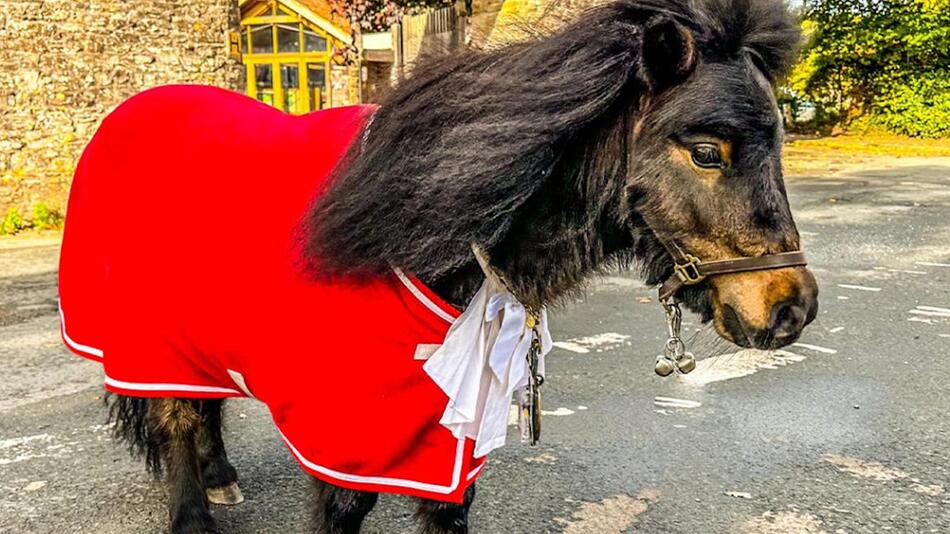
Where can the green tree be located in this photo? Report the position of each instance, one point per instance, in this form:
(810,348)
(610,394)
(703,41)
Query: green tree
(887,61)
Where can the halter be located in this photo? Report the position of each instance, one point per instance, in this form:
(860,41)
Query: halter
(689,270)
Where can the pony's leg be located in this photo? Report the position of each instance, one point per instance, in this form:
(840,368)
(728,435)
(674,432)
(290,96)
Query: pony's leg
(445,518)
(338,510)
(217,473)
(175,423)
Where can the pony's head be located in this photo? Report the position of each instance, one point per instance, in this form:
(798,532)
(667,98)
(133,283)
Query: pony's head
(707,169)
(574,151)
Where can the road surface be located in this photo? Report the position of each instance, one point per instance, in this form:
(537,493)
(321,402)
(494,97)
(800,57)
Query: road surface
(846,431)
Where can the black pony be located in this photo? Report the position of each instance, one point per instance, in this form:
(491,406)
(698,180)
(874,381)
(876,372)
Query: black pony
(562,157)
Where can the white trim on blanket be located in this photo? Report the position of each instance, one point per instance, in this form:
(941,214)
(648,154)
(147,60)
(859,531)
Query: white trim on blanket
(474,472)
(149,386)
(136,386)
(421,297)
(386,481)
(85,349)
(238,379)
(347,477)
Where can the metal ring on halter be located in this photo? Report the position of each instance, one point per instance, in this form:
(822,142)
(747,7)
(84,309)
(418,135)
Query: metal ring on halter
(675,347)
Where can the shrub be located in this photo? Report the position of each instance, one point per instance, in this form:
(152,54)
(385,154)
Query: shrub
(885,61)
(919,107)
(44,218)
(12,222)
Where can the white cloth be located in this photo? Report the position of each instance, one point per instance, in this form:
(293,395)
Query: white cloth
(482,362)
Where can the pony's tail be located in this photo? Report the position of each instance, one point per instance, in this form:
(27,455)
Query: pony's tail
(130,415)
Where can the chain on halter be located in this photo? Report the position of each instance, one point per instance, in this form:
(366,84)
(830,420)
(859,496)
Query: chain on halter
(675,358)
(690,270)
(529,399)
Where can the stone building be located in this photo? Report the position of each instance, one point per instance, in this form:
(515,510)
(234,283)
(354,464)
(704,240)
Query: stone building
(64,64)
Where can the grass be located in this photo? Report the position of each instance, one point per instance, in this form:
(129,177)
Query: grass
(827,155)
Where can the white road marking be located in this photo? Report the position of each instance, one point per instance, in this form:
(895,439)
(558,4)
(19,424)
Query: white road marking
(930,313)
(738,364)
(597,343)
(573,347)
(34,486)
(560,412)
(904,271)
(943,335)
(619,281)
(21,449)
(934,308)
(859,288)
(932,264)
(842,297)
(815,348)
(836,329)
(16,442)
(669,402)
(920,320)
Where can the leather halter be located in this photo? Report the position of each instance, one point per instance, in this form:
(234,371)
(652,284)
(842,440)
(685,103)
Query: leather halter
(689,270)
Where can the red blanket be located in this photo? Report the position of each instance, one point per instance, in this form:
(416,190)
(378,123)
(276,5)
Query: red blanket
(179,274)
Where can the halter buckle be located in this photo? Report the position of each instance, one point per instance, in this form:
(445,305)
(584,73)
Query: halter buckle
(689,272)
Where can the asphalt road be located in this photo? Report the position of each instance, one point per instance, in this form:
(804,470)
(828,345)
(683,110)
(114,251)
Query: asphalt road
(846,432)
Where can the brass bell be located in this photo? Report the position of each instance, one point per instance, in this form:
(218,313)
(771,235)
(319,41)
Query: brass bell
(664,367)
(686,363)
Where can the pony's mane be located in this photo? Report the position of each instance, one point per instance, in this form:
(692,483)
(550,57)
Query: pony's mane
(456,151)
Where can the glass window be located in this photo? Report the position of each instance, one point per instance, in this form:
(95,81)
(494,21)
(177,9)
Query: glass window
(312,42)
(288,38)
(317,86)
(264,83)
(290,81)
(244,44)
(262,40)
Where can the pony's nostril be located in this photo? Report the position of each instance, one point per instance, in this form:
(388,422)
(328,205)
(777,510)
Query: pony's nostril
(788,319)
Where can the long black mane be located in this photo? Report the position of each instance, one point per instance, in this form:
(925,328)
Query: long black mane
(522,150)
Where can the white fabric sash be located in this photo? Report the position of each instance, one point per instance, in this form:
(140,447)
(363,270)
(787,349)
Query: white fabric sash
(482,362)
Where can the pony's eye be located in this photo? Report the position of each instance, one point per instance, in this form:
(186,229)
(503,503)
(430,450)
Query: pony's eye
(706,155)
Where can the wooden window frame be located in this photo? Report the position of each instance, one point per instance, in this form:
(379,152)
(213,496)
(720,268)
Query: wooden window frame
(260,15)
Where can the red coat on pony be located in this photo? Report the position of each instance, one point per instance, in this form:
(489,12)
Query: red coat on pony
(180,274)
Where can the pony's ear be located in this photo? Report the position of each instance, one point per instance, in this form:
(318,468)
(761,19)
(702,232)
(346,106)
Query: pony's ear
(668,53)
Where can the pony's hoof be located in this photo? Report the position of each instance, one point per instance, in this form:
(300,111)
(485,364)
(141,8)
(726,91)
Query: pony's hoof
(227,495)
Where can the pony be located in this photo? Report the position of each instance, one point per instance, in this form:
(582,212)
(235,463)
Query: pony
(643,122)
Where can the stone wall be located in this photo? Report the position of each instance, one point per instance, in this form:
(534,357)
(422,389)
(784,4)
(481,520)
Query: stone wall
(64,64)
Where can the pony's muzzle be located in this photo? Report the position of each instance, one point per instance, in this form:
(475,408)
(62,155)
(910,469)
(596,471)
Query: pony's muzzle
(765,309)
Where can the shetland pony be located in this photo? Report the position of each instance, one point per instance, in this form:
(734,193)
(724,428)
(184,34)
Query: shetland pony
(562,157)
